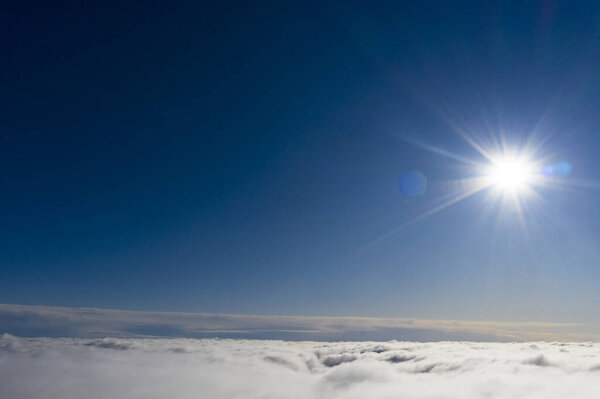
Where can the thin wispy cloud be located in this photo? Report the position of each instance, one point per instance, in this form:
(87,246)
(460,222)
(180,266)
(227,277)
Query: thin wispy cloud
(43,321)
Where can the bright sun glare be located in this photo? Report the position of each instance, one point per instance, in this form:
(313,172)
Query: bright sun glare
(511,177)
(511,174)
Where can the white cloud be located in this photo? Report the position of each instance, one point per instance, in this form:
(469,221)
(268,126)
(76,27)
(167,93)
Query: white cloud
(214,368)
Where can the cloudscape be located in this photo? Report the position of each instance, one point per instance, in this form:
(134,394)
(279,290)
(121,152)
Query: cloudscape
(300,199)
(213,368)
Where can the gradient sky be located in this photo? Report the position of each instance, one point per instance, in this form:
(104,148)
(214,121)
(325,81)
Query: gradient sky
(244,158)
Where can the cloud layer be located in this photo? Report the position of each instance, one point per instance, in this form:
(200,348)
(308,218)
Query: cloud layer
(214,368)
(42,321)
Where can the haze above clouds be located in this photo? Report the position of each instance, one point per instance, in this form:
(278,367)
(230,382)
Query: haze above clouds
(45,321)
(214,368)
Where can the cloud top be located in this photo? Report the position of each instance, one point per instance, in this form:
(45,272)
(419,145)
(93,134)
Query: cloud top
(216,368)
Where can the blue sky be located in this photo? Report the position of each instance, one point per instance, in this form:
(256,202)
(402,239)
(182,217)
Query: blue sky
(244,158)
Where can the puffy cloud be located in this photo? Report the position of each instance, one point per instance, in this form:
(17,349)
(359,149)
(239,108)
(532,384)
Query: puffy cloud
(43,321)
(69,368)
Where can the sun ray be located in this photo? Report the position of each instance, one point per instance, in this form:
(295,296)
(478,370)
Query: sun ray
(440,151)
(476,185)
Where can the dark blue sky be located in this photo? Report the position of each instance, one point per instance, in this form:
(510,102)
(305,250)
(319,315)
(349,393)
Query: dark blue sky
(244,158)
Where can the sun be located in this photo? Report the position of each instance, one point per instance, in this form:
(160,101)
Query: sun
(511,174)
